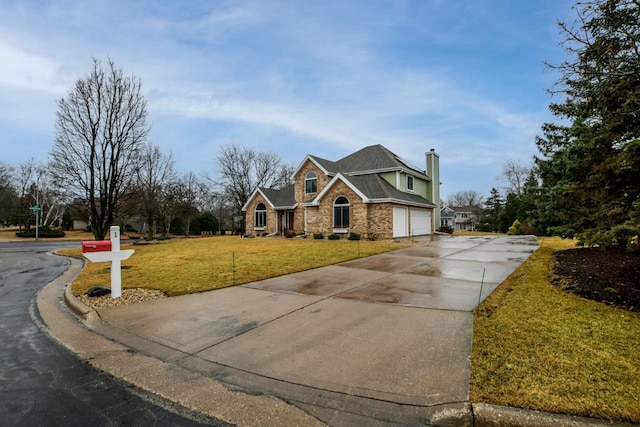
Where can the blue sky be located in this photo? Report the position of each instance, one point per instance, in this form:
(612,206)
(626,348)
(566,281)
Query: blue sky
(297,77)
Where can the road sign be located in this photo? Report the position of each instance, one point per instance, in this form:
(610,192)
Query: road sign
(35,208)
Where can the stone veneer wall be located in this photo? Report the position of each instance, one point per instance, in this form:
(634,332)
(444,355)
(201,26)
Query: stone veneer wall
(251,217)
(380,220)
(299,193)
(320,218)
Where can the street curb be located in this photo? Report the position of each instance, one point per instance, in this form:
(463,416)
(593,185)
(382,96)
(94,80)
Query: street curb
(486,415)
(74,303)
(70,300)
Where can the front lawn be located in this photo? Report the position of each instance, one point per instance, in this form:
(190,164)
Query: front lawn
(201,264)
(537,346)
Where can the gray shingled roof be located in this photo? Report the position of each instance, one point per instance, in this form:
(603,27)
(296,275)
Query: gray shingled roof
(280,198)
(375,187)
(373,157)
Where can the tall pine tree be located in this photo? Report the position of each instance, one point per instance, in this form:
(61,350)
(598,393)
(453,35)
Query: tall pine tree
(590,164)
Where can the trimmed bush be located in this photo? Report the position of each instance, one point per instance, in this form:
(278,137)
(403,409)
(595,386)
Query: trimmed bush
(354,236)
(289,234)
(333,237)
(318,236)
(44,231)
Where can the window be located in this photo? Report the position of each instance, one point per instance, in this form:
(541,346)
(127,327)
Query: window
(261,216)
(341,213)
(311,183)
(409,183)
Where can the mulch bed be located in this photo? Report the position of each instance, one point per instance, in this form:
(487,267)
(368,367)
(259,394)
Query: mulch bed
(611,276)
(129,296)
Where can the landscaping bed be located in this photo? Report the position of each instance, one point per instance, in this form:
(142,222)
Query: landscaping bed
(611,276)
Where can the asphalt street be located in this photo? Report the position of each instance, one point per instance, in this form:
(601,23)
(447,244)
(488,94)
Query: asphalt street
(41,382)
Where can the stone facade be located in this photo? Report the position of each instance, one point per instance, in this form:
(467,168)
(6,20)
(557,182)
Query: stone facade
(251,217)
(323,180)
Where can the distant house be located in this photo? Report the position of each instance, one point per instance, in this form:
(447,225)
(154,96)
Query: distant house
(466,217)
(447,217)
(372,192)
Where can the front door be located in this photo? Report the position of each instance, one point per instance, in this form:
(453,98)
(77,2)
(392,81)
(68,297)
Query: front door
(287,221)
(290,217)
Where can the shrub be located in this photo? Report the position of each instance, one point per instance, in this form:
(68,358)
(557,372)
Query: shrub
(333,237)
(354,236)
(624,234)
(516,228)
(43,231)
(289,234)
(372,236)
(446,229)
(318,236)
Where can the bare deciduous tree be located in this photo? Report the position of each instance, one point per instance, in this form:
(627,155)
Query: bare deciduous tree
(155,174)
(516,174)
(241,170)
(192,195)
(8,196)
(465,198)
(100,129)
(35,185)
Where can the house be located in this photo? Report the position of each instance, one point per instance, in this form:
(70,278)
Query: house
(447,217)
(466,217)
(372,192)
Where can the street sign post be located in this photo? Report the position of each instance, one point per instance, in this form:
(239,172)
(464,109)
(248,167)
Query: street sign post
(36,209)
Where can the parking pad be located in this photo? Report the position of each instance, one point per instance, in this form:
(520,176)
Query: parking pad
(189,323)
(391,353)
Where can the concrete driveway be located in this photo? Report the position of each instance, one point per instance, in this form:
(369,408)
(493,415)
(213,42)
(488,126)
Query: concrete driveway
(379,340)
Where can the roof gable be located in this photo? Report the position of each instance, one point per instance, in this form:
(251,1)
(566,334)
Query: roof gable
(277,199)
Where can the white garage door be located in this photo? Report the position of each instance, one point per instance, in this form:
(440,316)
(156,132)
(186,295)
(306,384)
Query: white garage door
(400,228)
(420,222)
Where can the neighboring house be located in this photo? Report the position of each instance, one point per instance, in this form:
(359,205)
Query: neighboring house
(447,217)
(466,217)
(372,192)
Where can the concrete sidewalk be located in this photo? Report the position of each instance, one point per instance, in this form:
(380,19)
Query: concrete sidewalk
(380,340)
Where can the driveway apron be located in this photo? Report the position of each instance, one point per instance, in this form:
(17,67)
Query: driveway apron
(385,338)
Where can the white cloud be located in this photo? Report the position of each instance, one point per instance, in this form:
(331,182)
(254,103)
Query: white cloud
(22,70)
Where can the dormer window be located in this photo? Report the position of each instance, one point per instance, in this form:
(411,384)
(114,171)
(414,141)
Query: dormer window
(311,183)
(409,183)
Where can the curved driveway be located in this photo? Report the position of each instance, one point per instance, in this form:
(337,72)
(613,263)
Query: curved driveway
(383,339)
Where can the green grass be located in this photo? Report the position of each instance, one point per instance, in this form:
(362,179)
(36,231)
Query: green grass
(537,347)
(201,264)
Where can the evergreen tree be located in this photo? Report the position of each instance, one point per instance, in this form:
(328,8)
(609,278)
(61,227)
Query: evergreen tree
(590,167)
(493,212)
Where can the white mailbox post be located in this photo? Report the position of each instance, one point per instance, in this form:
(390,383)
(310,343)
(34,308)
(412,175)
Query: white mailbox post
(105,250)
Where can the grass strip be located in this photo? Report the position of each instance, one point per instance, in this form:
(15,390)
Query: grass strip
(537,347)
(202,264)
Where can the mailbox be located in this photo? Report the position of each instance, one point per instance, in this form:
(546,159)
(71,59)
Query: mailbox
(96,246)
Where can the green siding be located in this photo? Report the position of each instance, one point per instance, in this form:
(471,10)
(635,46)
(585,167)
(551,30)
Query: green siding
(390,177)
